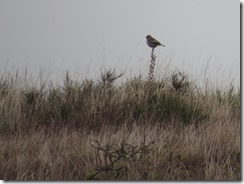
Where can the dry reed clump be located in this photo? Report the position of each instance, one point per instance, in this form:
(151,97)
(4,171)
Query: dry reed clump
(47,131)
(89,104)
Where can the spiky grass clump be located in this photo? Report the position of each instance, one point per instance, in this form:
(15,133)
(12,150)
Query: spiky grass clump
(91,104)
(47,131)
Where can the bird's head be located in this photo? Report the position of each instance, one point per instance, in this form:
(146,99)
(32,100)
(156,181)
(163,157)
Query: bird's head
(148,36)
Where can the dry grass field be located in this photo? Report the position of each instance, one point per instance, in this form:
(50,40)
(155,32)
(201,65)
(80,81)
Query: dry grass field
(168,129)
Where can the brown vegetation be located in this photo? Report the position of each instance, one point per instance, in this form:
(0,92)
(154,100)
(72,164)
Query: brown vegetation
(96,130)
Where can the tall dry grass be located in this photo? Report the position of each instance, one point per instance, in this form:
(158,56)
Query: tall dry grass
(100,130)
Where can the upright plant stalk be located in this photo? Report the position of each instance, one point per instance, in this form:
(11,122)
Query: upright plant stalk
(151,74)
(152,66)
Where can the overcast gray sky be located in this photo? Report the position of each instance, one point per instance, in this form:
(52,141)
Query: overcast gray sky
(85,35)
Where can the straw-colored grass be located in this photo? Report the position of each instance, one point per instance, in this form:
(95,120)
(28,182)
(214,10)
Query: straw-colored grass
(101,131)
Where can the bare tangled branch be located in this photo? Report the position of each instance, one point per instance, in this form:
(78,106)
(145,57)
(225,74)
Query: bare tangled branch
(111,157)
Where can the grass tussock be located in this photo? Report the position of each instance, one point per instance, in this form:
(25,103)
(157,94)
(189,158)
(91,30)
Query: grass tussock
(100,130)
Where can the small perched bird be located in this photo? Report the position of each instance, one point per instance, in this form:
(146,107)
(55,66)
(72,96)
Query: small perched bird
(152,42)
